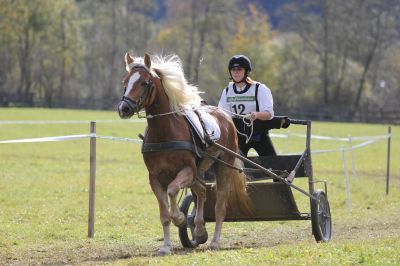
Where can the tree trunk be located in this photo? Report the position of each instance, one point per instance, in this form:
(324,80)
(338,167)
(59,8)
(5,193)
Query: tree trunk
(341,74)
(199,56)
(188,65)
(110,89)
(325,71)
(25,66)
(370,57)
(64,48)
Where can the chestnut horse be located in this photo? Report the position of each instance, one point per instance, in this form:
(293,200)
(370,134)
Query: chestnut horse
(160,88)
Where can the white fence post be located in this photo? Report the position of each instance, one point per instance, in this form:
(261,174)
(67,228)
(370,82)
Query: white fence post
(347,179)
(353,164)
(388,160)
(92,179)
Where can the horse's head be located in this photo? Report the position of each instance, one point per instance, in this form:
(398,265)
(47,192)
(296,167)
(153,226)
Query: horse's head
(138,86)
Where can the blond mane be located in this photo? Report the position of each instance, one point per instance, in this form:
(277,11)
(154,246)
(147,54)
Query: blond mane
(181,94)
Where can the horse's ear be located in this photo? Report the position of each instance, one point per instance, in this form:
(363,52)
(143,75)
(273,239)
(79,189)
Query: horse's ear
(147,60)
(128,59)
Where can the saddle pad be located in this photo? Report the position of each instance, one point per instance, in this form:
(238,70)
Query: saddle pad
(210,124)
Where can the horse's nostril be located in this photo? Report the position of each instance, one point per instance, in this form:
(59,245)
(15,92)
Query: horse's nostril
(125,109)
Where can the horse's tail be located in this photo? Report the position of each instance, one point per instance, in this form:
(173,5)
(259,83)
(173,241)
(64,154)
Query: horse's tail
(238,196)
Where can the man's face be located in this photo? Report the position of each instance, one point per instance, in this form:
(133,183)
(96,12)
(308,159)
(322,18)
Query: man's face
(237,74)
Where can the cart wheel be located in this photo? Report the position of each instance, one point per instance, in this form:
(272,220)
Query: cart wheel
(321,217)
(186,233)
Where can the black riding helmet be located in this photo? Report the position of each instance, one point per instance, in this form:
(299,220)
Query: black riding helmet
(240,61)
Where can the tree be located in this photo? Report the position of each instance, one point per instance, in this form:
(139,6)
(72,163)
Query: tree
(374,32)
(297,73)
(253,38)
(39,37)
(113,28)
(385,92)
(325,53)
(342,34)
(21,23)
(59,53)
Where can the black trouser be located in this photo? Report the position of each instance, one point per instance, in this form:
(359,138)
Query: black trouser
(263,147)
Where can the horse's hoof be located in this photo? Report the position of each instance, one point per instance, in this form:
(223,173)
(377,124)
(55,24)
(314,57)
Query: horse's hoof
(201,235)
(164,251)
(180,221)
(213,246)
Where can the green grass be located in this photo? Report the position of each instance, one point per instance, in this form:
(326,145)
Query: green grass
(44,201)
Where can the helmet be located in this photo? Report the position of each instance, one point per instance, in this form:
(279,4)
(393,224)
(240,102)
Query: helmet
(240,61)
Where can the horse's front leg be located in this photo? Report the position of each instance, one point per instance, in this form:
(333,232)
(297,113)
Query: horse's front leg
(165,217)
(183,179)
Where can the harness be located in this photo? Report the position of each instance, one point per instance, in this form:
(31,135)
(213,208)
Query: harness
(174,145)
(186,145)
(169,145)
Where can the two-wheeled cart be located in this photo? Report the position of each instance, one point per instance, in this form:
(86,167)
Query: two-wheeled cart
(271,180)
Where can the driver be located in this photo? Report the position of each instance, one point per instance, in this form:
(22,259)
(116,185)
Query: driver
(246,97)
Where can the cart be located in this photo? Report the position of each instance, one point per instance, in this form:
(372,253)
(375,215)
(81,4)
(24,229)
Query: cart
(271,180)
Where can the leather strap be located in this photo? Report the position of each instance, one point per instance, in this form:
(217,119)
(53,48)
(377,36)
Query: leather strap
(169,145)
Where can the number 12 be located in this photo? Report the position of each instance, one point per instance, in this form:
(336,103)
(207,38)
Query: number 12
(239,109)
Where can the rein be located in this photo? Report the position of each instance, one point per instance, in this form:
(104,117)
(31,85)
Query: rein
(243,117)
(240,170)
(248,124)
(168,113)
(163,114)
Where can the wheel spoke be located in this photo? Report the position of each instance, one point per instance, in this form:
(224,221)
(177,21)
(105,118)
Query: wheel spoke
(323,228)
(322,205)
(323,210)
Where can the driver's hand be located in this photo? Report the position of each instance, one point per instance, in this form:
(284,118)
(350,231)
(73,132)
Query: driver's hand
(253,116)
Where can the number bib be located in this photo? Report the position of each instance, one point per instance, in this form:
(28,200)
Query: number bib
(242,102)
(253,98)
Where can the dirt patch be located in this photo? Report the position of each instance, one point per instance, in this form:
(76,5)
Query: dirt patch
(261,234)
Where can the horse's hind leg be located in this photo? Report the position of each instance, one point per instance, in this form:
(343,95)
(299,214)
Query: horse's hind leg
(199,189)
(165,218)
(223,187)
(200,231)
(183,179)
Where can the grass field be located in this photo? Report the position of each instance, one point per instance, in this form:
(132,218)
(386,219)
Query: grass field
(44,200)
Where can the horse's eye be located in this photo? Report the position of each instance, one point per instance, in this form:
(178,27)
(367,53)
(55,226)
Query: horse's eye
(145,83)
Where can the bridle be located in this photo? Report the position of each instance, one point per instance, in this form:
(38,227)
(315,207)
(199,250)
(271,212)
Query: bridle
(137,105)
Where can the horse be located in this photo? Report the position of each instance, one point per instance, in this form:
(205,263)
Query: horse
(157,85)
